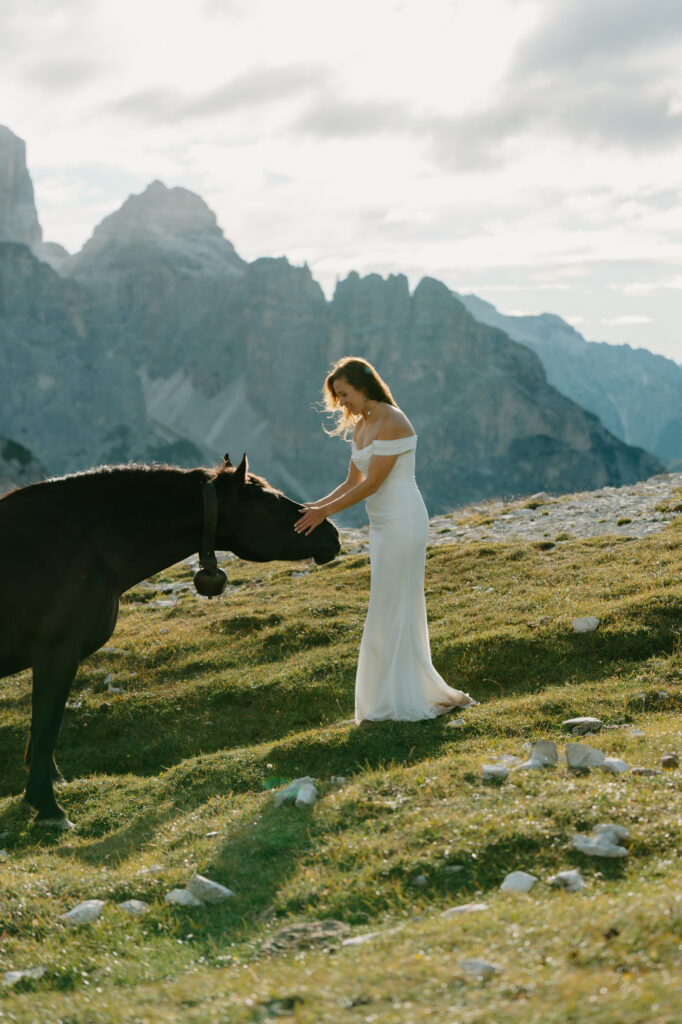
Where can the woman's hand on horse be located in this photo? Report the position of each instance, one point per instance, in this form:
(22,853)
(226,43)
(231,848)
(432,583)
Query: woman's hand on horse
(311,516)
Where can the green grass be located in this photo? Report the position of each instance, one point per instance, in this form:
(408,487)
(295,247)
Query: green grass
(226,699)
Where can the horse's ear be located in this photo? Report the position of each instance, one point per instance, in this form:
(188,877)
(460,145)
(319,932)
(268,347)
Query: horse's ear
(242,470)
(227,462)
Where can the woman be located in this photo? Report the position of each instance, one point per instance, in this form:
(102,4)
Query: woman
(395,677)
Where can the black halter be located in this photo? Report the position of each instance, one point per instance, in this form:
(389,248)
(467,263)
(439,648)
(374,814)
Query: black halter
(210,581)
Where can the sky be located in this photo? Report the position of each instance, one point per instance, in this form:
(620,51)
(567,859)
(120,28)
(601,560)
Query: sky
(528,151)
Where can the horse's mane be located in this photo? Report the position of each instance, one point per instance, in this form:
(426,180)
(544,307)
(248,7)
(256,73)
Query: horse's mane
(138,475)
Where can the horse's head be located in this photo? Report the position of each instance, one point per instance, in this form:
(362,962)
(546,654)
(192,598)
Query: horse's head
(256,522)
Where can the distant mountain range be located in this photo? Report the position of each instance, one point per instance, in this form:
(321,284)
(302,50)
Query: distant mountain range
(157,341)
(637,395)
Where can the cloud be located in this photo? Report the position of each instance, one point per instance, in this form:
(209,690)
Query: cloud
(627,320)
(647,288)
(334,117)
(61,75)
(258,87)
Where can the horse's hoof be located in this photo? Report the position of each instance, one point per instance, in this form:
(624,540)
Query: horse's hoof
(60,824)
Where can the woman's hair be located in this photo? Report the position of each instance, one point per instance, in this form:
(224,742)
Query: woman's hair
(362,376)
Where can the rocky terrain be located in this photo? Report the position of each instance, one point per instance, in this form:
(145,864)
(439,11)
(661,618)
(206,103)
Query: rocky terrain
(158,341)
(636,394)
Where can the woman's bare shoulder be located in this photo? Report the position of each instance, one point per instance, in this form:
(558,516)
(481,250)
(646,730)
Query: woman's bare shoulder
(394,424)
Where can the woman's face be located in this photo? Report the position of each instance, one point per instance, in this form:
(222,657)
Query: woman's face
(354,401)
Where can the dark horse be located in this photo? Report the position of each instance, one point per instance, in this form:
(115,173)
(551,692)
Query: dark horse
(70,547)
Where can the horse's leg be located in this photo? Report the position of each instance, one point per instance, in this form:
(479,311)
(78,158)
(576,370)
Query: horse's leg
(53,675)
(55,772)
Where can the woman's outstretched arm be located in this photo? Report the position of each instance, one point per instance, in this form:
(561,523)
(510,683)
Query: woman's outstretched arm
(312,515)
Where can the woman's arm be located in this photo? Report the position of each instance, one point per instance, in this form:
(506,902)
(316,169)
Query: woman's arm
(379,468)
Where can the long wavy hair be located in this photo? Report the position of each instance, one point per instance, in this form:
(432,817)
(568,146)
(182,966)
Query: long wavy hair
(362,376)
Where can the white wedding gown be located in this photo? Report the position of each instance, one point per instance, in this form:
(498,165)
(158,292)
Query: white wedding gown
(395,677)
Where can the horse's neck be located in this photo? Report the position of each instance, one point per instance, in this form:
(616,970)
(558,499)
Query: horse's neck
(155,528)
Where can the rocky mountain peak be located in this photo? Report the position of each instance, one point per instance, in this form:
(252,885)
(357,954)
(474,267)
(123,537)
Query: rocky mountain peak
(172,221)
(18,217)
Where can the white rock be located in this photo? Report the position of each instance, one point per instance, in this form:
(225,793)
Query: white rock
(572,881)
(586,625)
(646,771)
(543,753)
(420,880)
(134,906)
(456,722)
(603,842)
(464,908)
(481,968)
(85,912)
(579,726)
(291,791)
(494,771)
(183,897)
(210,892)
(114,689)
(612,831)
(12,977)
(307,794)
(614,765)
(518,881)
(579,755)
(453,869)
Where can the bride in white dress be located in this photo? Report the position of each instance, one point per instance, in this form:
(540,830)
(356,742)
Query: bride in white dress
(395,676)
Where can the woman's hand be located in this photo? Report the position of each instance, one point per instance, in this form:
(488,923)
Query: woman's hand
(311,516)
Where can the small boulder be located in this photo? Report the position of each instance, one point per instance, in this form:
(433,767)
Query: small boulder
(13,977)
(208,891)
(498,772)
(85,912)
(293,789)
(614,765)
(603,842)
(134,906)
(670,761)
(518,881)
(543,754)
(479,968)
(646,771)
(581,726)
(183,898)
(579,755)
(571,881)
(586,625)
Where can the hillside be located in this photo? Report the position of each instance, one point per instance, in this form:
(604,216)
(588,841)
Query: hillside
(636,394)
(221,702)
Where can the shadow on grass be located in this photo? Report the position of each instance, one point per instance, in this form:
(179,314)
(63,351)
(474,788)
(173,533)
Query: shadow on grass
(131,736)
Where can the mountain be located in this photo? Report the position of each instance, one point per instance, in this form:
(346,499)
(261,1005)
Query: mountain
(636,394)
(18,467)
(157,340)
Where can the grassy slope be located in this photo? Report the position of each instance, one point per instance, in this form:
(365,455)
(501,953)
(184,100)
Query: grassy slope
(224,698)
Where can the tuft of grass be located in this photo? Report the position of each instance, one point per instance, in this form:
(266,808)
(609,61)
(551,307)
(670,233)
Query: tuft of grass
(225,700)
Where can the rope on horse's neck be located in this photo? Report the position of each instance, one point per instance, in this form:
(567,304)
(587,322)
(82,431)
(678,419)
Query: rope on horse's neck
(207,558)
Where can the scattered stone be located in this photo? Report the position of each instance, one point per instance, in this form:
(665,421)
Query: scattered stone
(293,790)
(636,732)
(614,765)
(208,891)
(4,855)
(153,869)
(494,771)
(211,835)
(360,940)
(464,908)
(579,755)
(456,722)
(670,761)
(645,771)
(586,625)
(307,794)
(543,753)
(481,968)
(453,869)
(114,689)
(571,881)
(518,881)
(13,977)
(603,842)
(85,912)
(581,726)
(183,897)
(327,934)
(134,906)
(420,881)
(338,780)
